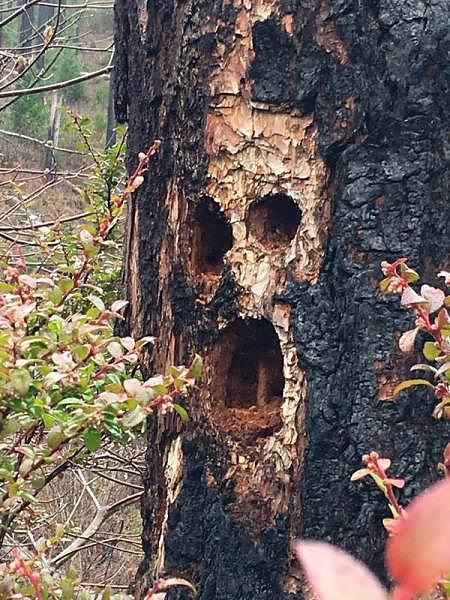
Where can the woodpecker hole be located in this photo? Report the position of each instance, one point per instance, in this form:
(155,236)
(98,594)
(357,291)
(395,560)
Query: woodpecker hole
(212,238)
(274,220)
(249,381)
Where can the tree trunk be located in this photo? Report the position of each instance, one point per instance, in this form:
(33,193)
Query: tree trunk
(25,33)
(45,16)
(110,136)
(53,135)
(302,143)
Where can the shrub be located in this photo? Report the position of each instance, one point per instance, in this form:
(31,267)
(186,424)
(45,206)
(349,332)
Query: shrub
(67,382)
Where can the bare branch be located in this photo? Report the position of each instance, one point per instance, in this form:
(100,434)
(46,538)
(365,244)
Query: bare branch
(27,138)
(40,53)
(39,172)
(17,13)
(56,86)
(103,513)
(47,224)
(119,481)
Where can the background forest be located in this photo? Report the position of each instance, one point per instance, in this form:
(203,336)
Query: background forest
(54,179)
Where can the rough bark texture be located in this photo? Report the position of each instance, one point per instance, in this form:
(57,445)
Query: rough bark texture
(272,113)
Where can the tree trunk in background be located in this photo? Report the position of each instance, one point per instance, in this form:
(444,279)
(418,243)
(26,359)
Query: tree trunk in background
(45,15)
(25,34)
(302,143)
(53,135)
(110,136)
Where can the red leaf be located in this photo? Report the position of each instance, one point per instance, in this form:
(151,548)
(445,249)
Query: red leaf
(335,575)
(418,553)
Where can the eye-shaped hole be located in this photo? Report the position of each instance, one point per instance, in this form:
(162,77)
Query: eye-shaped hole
(274,220)
(212,238)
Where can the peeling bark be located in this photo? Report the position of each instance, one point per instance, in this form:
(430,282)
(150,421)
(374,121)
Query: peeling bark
(337,110)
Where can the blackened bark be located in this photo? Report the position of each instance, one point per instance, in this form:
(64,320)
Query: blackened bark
(366,84)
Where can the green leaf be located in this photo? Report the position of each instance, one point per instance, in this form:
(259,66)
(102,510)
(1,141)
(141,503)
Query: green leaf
(106,593)
(55,296)
(410,383)
(423,367)
(111,424)
(144,341)
(10,427)
(134,417)
(384,284)
(65,285)
(6,288)
(81,351)
(93,313)
(70,402)
(48,420)
(430,351)
(175,371)
(182,412)
(56,324)
(92,439)
(55,438)
(21,381)
(378,481)
(410,275)
(196,368)
(67,590)
(37,482)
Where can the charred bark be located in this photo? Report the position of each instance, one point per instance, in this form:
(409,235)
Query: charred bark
(317,133)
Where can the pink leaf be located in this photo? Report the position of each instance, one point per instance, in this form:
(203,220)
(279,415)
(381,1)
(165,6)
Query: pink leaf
(118,305)
(359,474)
(401,594)
(409,297)
(27,280)
(418,553)
(407,339)
(398,483)
(128,343)
(434,296)
(384,463)
(335,575)
(132,386)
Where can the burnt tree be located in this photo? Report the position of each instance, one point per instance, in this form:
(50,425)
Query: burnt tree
(302,143)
